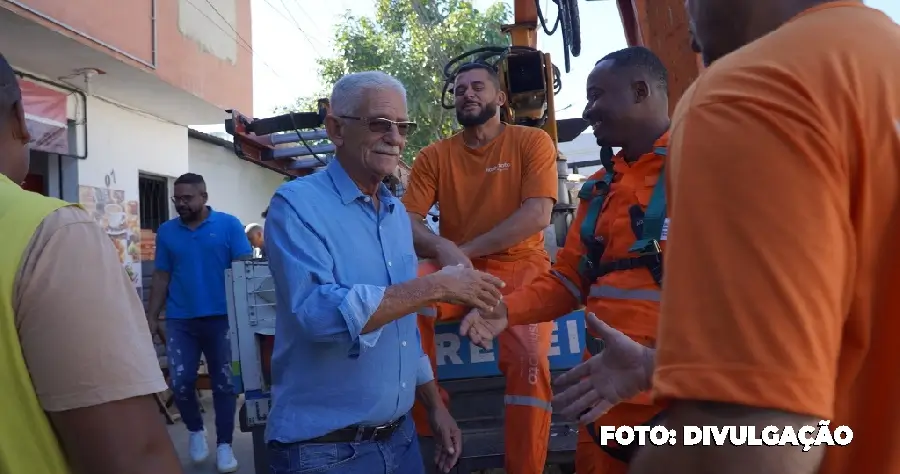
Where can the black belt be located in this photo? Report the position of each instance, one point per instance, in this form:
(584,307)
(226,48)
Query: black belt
(652,262)
(351,434)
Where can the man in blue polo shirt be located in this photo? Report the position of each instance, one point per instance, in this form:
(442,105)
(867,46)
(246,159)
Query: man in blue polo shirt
(192,253)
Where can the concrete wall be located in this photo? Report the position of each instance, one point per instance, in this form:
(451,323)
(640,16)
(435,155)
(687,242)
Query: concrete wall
(123,143)
(235,186)
(200,46)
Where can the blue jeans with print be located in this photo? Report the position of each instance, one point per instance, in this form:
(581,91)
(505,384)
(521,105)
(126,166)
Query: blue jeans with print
(397,455)
(187,339)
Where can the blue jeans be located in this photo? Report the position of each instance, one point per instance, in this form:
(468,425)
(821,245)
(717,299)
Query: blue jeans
(187,339)
(397,455)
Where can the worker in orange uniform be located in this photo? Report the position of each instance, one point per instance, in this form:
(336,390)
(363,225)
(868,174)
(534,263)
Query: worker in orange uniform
(612,258)
(780,308)
(497,185)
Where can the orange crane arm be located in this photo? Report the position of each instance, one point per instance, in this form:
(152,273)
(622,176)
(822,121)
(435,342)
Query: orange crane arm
(662,26)
(524,31)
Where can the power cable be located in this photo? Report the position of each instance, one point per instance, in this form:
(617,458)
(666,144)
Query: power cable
(569,21)
(303,12)
(296,25)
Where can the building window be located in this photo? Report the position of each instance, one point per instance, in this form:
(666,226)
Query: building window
(153,192)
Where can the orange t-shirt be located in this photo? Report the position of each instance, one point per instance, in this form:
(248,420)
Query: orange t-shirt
(478,188)
(783,269)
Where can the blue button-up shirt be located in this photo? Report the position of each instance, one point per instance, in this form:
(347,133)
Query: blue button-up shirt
(196,261)
(332,254)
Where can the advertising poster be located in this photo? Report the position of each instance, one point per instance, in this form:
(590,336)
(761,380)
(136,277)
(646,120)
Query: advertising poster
(121,221)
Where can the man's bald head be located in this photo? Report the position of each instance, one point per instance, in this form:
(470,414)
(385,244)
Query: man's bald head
(719,27)
(13,132)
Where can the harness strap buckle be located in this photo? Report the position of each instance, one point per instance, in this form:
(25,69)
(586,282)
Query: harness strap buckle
(648,247)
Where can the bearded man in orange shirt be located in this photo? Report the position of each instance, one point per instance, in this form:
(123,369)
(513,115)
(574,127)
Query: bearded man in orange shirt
(497,184)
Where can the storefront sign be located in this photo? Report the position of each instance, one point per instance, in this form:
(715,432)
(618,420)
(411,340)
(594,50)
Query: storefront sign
(120,218)
(45,116)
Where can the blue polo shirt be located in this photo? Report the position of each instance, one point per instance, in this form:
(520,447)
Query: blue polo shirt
(196,261)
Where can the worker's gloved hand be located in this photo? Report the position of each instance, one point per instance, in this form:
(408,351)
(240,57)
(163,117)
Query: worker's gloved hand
(637,220)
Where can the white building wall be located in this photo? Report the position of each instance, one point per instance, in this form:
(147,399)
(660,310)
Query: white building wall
(235,186)
(122,143)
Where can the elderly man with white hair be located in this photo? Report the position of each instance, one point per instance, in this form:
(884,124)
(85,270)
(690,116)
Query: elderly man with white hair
(347,362)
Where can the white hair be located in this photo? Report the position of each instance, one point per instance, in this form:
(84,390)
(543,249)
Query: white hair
(349,91)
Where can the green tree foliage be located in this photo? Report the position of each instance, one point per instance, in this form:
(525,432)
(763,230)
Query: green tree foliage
(412,40)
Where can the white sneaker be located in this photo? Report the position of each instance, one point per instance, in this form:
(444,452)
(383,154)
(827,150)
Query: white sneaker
(225,461)
(197,446)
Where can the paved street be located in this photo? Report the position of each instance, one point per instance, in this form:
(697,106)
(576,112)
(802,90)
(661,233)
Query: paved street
(243,444)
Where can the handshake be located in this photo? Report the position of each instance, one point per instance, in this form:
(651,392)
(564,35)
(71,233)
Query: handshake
(479,291)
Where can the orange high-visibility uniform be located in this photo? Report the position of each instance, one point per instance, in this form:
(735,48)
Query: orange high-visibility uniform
(783,267)
(477,190)
(627,300)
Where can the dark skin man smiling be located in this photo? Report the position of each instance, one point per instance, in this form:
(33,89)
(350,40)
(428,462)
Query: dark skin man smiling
(773,314)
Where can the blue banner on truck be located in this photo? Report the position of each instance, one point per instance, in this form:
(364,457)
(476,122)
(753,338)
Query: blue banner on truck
(458,358)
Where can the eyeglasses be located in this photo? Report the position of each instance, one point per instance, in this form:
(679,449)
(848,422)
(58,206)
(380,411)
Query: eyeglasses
(383,125)
(180,199)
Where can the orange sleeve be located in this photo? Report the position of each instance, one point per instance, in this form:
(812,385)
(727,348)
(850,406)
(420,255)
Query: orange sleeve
(758,259)
(559,291)
(421,192)
(539,176)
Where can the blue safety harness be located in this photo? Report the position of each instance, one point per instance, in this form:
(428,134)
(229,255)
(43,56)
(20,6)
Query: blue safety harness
(648,230)
(651,224)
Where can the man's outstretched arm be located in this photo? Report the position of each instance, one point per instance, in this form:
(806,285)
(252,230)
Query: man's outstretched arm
(421,194)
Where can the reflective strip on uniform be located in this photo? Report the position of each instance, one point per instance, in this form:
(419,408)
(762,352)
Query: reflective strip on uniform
(605,291)
(572,287)
(429,311)
(523,400)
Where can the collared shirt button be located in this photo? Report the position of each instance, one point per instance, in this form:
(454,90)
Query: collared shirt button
(367,198)
(403,343)
(389,263)
(403,385)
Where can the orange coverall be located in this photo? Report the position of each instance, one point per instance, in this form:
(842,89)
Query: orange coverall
(627,300)
(479,189)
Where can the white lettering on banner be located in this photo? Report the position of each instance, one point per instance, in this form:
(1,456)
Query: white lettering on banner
(664,233)
(500,167)
(447,348)
(481,355)
(554,340)
(805,437)
(572,331)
